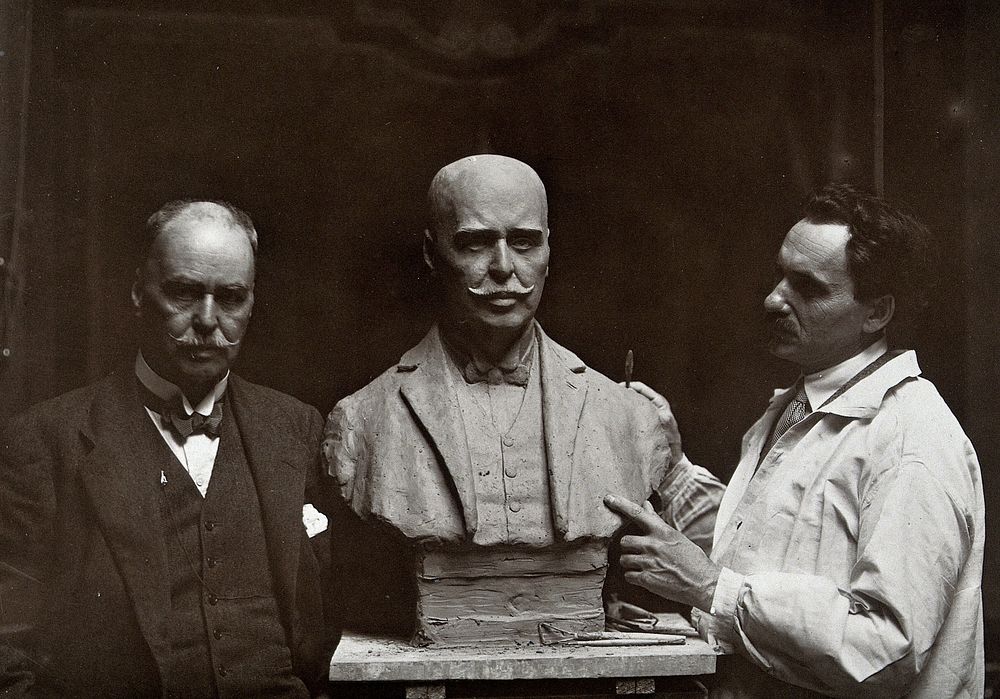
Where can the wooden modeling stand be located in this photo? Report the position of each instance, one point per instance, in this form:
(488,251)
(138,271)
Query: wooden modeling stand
(437,673)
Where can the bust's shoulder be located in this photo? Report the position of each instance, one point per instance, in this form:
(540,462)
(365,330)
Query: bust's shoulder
(379,396)
(407,369)
(604,394)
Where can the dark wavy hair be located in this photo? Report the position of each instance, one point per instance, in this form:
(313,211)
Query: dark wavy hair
(889,252)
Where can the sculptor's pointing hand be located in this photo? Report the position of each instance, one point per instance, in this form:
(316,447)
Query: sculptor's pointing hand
(663,560)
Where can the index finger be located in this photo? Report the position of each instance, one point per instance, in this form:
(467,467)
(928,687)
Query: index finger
(645,517)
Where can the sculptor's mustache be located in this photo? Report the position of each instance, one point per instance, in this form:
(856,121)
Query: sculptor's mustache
(780,323)
(192,341)
(511,290)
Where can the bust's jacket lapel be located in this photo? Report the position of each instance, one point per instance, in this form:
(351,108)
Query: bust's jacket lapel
(426,388)
(123,485)
(564,391)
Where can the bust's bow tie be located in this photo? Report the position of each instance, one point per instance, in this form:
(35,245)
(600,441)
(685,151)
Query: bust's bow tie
(517,376)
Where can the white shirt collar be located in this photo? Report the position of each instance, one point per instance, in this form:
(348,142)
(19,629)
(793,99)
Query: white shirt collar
(823,384)
(164,389)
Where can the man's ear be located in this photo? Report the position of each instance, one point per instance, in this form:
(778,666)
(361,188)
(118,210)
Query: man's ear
(137,292)
(879,314)
(429,249)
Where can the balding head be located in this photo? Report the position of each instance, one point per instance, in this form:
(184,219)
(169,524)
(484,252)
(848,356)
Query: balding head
(183,211)
(496,178)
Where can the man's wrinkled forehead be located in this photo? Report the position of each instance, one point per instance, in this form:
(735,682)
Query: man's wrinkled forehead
(479,178)
(189,217)
(198,212)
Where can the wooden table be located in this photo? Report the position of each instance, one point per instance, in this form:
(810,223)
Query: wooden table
(425,672)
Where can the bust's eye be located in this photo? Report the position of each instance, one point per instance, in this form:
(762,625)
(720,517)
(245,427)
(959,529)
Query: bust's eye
(472,241)
(525,242)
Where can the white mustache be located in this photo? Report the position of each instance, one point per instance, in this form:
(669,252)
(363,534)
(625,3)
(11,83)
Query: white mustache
(191,341)
(512,289)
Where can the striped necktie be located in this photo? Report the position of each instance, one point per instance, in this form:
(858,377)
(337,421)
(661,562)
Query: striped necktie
(795,411)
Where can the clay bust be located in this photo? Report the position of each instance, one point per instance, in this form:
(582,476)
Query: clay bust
(475,468)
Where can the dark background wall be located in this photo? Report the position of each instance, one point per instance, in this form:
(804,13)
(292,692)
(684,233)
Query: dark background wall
(676,140)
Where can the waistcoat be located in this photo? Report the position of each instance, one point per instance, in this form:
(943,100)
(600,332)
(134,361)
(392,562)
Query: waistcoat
(509,467)
(224,625)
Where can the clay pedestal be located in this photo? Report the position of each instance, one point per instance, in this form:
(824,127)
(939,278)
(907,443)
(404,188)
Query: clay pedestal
(498,595)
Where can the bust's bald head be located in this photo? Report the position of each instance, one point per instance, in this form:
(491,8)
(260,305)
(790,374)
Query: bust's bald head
(488,241)
(494,177)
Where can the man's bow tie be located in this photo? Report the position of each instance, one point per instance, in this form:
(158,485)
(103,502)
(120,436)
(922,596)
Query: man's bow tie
(186,425)
(517,376)
(172,416)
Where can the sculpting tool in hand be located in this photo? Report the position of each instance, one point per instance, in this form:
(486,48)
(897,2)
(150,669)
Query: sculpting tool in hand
(629,361)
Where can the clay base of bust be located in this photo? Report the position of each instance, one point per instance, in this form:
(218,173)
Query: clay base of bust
(498,595)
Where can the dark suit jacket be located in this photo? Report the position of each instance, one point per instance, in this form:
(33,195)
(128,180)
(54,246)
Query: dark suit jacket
(84,588)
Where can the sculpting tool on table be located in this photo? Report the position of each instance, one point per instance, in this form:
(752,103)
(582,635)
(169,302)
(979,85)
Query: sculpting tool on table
(631,641)
(629,362)
(550,634)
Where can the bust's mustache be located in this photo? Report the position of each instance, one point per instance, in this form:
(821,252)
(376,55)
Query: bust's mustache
(512,289)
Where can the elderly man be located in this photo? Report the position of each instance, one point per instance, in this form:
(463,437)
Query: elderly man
(151,524)
(848,548)
(489,434)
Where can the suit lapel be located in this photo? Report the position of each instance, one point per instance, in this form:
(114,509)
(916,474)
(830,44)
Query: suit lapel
(271,448)
(429,393)
(122,480)
(564,390)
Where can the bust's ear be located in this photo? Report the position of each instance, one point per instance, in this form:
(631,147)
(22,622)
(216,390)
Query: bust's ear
(879,314)
(548,234)
(429,249)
